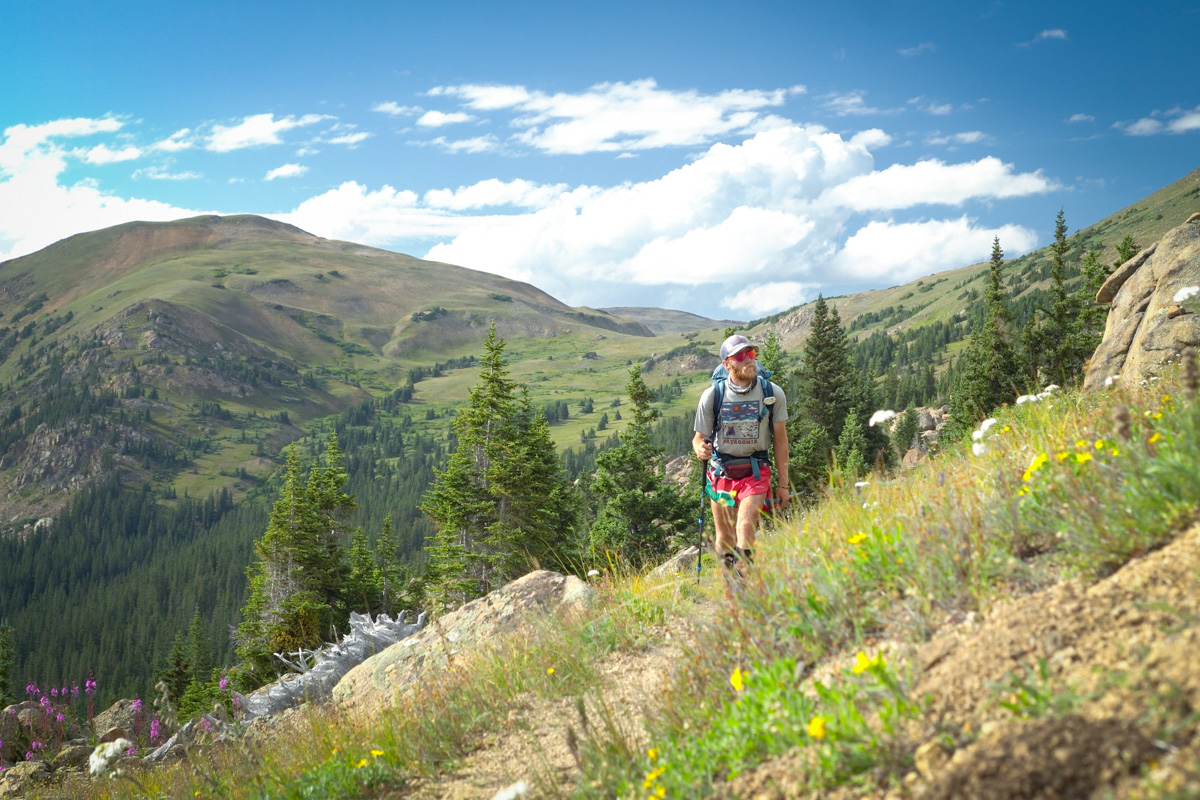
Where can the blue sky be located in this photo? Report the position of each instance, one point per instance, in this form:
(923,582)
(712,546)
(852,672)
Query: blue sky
(726,160)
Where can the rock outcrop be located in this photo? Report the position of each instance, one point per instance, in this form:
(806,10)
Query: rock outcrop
(1146,328)
(378,680)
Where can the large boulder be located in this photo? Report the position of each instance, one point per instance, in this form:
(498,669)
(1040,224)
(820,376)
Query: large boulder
(1146,328)
(378,681)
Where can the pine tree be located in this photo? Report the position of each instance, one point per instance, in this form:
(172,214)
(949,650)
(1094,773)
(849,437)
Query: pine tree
(8,664)
(988,370)
(638,509)
(771,355)
(297,582)
(1058,337)
(388,574)
(1092,315)
(820,398)
(1127,249)
(825,380)
(906,430)
(497,507)
(175,671)
(851,449)
(362,588)
(199,652)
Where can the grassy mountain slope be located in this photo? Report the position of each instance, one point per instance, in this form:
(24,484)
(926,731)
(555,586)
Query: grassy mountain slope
(662,320)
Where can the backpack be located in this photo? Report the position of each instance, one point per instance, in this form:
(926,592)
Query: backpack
(720,376)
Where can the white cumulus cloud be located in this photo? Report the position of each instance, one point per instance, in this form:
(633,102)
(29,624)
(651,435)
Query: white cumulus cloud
(395,109)
(102,154)
(286,171)
(764,298)
(256,131)
(620,117)
(935,182)
(901,252)
(434,119)
(494,192)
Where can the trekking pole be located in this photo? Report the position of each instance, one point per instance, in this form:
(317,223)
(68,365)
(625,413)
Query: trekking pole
(700,537)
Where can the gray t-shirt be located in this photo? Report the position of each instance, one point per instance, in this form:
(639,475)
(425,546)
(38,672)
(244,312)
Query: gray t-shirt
(741,432)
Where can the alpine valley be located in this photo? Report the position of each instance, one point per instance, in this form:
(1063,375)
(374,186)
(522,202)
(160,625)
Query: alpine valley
(153,373)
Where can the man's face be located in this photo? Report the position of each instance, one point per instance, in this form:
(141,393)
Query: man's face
(742,371)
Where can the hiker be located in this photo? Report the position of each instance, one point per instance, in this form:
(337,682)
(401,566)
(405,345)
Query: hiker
(753,412)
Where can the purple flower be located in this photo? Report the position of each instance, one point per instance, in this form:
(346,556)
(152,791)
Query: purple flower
(89,686)
(155,731)
(137,704)
(54,692)
(75,690)
(61,718)
(223,683)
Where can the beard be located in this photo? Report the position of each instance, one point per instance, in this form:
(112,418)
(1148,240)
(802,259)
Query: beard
(743,372)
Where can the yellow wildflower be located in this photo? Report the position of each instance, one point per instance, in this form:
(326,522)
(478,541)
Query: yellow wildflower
(816,727)
(661,791)
(1083,458)
(735,680)
(376,753)
(1166,399)
(1115,452)
(652,753)
(1154,437)
(1157,415)
(1100,444)
(1063,456)
(863,662)
(1038,460)
(1080,443)
(1005,429)
(550,671)
(361,764)
(857,538)
(652,776)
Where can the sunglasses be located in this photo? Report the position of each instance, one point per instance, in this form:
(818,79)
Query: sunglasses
(742,355)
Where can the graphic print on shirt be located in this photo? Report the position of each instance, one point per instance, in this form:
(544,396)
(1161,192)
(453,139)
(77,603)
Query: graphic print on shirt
(739,421)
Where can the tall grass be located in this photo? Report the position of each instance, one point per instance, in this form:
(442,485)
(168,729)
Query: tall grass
(1072,484)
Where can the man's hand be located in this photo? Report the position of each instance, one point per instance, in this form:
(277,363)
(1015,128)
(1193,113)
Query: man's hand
(783,497)
(703,448)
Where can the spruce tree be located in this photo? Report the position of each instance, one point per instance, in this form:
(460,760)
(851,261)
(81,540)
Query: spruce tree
(820,397)
(905,434)
(638,510)
(1127,249)
(988,370)
(8,665)
(498,505)
(771,355)
(298,579)
(1092,315)
(199,651)
(1062,346)
(851,449)
(362,589)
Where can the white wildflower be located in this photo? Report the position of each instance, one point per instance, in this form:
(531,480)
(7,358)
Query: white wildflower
(1054,387)
(1144,383)
(1028,398)
(883,415)
(593,573)
(1111,379)
(517,790)
(979,448)
(1186,293)
(861,484)
(104,754)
